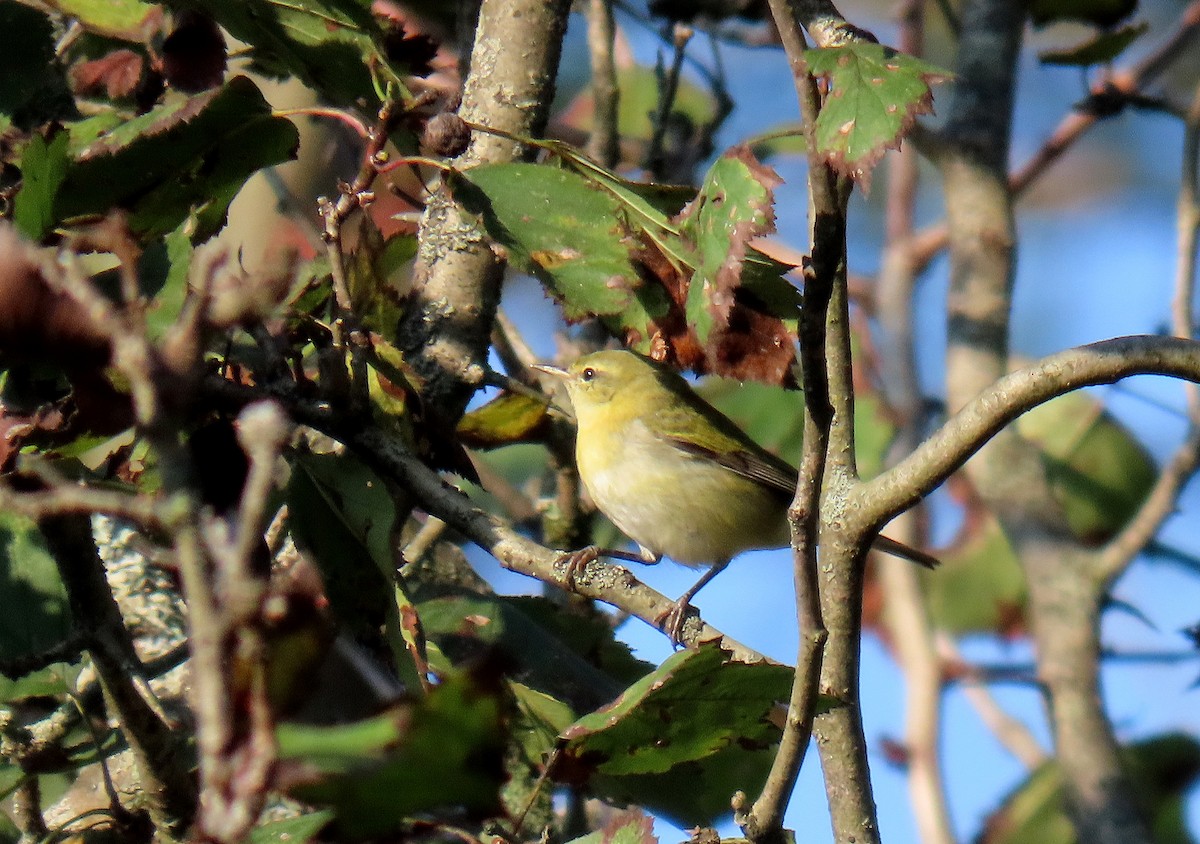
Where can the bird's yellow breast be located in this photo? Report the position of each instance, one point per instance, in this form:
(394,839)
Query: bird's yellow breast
(670,502)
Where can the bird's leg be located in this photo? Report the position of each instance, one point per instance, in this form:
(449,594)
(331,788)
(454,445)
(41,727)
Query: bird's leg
(671,622)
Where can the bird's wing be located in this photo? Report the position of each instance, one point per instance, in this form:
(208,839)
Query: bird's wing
(765,468)
(759,466)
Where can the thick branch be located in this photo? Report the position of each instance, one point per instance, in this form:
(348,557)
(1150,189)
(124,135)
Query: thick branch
(509,87)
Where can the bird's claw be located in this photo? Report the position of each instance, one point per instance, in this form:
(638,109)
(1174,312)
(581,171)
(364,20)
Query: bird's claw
(577,562)
(673,620)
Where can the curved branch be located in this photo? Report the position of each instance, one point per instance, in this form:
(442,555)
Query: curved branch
(897,489)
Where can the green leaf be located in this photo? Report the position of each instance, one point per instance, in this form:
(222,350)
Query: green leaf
(773,417)
(341,513)
(683,738)
(734,206)
(298,830)
(127,20)
(167,301)
(1098,471)
(189,156)
(552,651)
(560,227)
(639,95)
(507,419)
(980,587)
(374,294)
(875,97)
(629,827)
(33,601)
(1100,49)
(1161,771)
(43,168)
(444,751)
(329,45)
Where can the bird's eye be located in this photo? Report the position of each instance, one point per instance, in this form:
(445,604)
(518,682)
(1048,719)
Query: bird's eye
(588,374)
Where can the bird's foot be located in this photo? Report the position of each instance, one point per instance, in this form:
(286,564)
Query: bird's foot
(577,561)
(672,621)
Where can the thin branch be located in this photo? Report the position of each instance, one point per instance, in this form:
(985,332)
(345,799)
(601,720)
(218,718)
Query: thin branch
(65,498)
(906,613)
(828,645)
(1182,465)
(668,88)
(882,498)
(68,650)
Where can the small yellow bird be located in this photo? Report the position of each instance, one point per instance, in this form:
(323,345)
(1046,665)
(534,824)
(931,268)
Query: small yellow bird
(676,475)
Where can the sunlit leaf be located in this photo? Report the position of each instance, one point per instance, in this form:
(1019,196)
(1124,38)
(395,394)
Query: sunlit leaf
(560,228)
(699,719)
(875,97)
(506,419)
(128,20)
(629,827)
(735,205)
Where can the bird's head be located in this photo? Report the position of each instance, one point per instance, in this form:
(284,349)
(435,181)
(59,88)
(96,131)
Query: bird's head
(602,379)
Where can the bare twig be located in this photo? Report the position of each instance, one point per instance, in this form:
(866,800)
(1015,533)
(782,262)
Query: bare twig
(906,614)
(68,650)
(668,87)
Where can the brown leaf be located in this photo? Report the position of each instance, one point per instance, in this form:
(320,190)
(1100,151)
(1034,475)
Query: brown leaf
(116,75)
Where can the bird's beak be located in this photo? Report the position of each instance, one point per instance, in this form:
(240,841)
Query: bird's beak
(552,370)
(563,376)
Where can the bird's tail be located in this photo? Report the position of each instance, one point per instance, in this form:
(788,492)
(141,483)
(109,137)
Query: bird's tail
(899,549)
